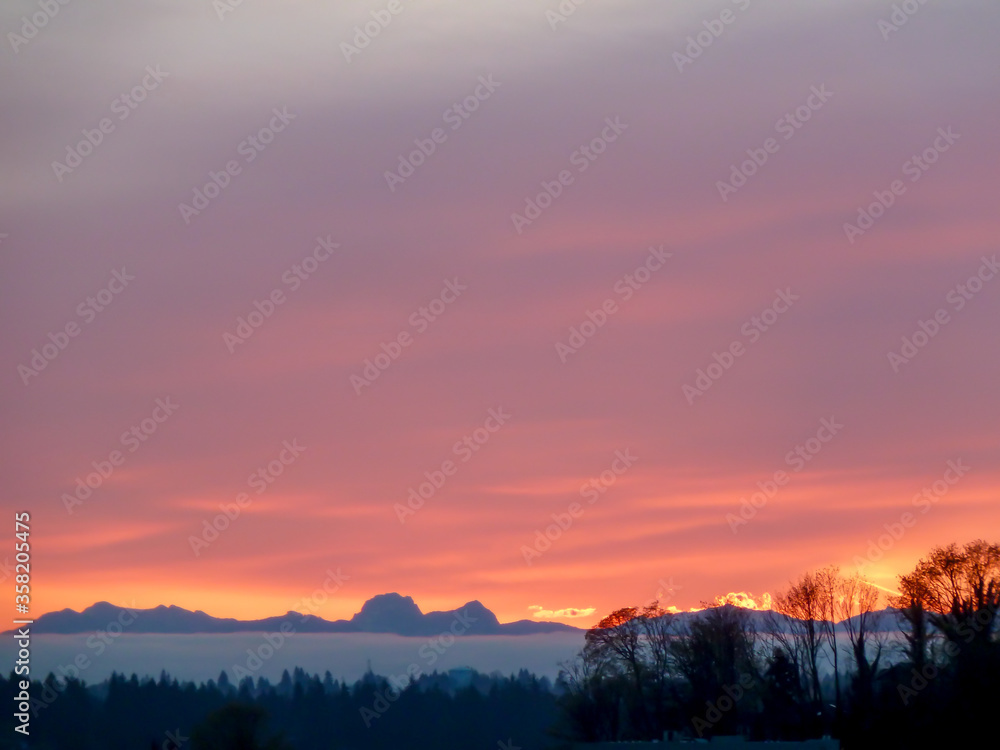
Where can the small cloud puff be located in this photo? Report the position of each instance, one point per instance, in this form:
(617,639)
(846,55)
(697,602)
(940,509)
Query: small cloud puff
(540,611)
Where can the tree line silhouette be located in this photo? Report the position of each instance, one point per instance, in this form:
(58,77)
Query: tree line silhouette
(933,676)
(300,712)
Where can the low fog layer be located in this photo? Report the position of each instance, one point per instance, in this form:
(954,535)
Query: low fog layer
(202,657)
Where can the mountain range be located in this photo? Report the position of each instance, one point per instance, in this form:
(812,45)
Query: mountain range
(386,613)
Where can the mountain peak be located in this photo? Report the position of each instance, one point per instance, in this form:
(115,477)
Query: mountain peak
(480,611)
(387,613)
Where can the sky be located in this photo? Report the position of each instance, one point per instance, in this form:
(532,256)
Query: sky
(494,300)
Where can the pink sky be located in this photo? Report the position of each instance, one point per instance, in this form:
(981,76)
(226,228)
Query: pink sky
(656,185)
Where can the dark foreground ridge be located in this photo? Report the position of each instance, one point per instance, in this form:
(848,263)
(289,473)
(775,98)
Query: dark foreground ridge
(385,613)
